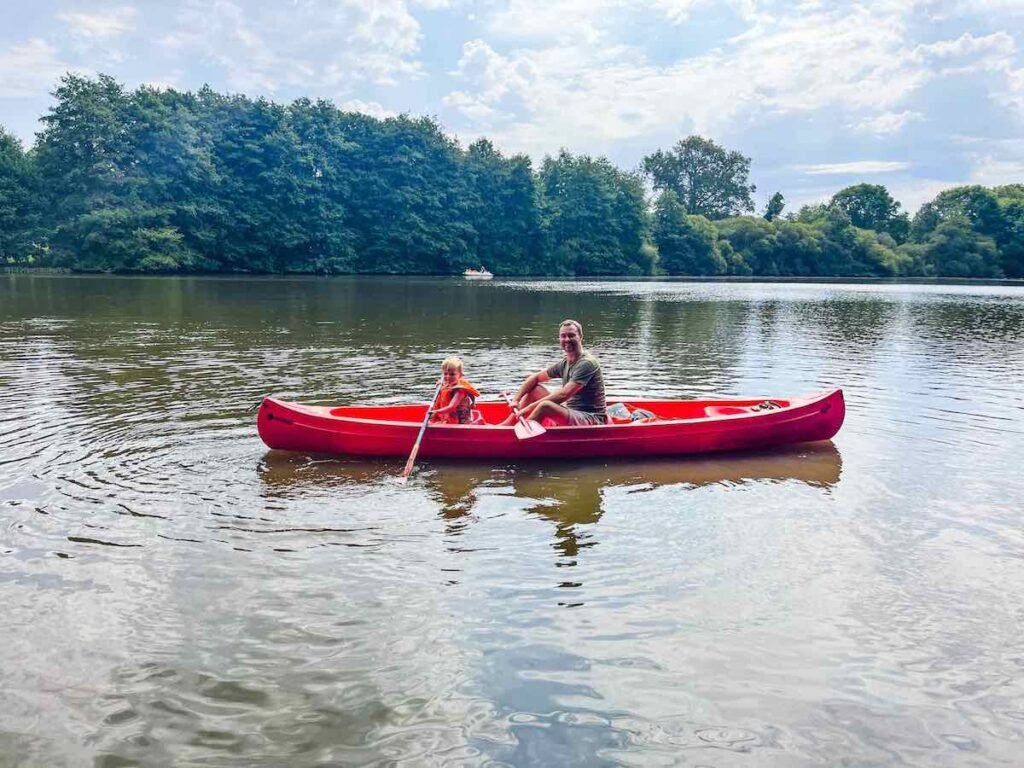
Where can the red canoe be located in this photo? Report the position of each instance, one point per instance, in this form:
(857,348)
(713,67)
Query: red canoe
(681,427)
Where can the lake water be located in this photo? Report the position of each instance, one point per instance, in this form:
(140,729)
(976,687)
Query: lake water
(175,594)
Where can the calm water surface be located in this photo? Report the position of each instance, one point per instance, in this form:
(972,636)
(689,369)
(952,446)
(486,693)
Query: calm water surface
(175,594)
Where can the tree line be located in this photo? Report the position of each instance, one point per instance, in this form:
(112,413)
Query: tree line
(164,181)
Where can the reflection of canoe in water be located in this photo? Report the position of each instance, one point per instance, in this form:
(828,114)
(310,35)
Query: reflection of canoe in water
(569,493)
(816,464)
(682,427)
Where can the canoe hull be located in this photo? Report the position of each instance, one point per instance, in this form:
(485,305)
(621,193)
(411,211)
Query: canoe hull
(688,427)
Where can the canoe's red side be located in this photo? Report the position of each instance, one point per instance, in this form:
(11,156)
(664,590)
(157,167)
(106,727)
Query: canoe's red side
(391,430)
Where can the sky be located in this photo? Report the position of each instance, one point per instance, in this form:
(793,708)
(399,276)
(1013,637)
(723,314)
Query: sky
(918,95)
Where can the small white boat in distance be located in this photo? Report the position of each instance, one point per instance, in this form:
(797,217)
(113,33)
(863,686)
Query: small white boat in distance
(477,274)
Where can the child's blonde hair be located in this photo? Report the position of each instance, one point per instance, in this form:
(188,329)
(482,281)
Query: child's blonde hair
(452,363)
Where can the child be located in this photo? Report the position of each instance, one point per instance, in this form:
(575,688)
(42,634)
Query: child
(454,404)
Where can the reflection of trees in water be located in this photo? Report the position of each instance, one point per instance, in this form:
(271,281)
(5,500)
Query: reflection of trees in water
(969,321)
(865,323)
(941,329)
(570,495)
(694,345)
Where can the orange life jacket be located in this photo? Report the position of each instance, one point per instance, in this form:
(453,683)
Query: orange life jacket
(447,394)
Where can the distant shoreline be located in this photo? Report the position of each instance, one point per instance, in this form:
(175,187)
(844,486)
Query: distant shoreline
(498,279)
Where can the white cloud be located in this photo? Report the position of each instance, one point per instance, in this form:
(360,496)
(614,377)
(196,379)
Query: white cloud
(995,53)
(371,108)
(576,94)
(1013,96)
(992,170)
(996,162)
(590,21)
(100,25)
(553,73)
(676,11)
(171,82)
(968,53)
(494,75)
(386,25)
(30,69)
(855,167)
(887,123)
(551,20)
(311,45)
(474,108)
(945,8)
(998,42)
(913,193)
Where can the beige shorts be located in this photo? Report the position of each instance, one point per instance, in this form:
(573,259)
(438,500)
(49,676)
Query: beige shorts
(585,419)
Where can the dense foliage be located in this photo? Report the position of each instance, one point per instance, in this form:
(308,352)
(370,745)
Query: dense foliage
(706,178)
(19,200)
(165,181)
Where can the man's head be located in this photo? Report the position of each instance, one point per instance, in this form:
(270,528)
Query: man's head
(570,338)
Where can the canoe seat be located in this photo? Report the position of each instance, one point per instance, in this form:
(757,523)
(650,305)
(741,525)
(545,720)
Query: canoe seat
(731,410)
(724,410)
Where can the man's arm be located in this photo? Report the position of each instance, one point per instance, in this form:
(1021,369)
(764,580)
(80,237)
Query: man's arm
(531,381)
(581,375)
(558,396)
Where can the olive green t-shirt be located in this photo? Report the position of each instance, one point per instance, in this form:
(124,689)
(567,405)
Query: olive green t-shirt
(586,371)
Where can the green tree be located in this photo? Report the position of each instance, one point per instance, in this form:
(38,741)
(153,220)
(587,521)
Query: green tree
(996,214)
(322,195)
(1012,245)
(19,197)
(774,208)
(870,206)
(83,157)
(850,251)
(504,210)
(753,239)
(596,216)
(708,180)
(687,245)
(408,209)
(956,249)
(815,214)
(1011,235)
(976,205)
(798,248)
(117,165)
(263,178)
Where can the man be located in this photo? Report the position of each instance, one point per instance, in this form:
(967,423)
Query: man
(580,401)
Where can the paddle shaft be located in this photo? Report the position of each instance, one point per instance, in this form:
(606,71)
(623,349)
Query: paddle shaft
(512,406)
(419,438)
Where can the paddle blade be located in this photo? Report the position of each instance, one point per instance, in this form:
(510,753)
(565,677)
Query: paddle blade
(409,465)
(525,429)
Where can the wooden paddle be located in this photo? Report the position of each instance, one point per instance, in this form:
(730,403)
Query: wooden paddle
(525,428)
(416,446)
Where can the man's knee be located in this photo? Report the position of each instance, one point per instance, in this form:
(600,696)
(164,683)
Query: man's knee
(542,409)
(548,408)
(532,396)
(536,394)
